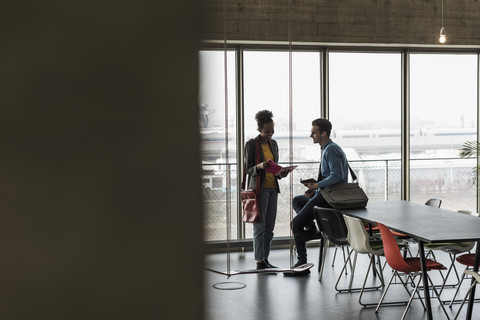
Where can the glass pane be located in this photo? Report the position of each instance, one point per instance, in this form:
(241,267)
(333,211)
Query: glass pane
(266,86)
(443,116)
(219,172)
(365,111)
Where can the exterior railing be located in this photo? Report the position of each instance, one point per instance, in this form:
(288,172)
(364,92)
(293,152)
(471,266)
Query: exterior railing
(449,179)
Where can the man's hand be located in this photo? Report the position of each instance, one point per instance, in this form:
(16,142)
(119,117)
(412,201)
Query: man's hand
(311,185)
(309,193)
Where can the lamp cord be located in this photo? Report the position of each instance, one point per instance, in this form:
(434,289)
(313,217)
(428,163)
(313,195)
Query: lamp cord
(290,116)
(228,210)
(442,13)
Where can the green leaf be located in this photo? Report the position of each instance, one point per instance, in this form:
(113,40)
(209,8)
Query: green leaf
(469,149)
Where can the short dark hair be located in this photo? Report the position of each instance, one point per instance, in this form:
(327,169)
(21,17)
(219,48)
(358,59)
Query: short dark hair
(263,117)
(323,125)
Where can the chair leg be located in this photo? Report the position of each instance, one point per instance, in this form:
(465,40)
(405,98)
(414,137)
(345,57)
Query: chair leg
(411,279)
(385,291)
(353,271)
(438,297)
(444,277)
(344,259)
(458,288)
(352,275)
(372,263)
(380,302)
(324,257)
(344,269)
(431,253)
(380,275)
(464,276)
(410,252)
(334,256)
(451,267)
(406,248)
(464,299)
(456,291)
(380,270)
(320,254)
(415,290)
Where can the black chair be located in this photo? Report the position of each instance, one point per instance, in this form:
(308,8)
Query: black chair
(331,224)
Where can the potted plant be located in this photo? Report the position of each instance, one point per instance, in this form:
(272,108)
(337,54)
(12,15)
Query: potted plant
(470,149)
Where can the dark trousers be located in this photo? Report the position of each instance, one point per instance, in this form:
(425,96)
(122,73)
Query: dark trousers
(303,206)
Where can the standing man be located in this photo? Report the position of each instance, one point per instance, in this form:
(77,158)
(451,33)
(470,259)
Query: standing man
(333,170)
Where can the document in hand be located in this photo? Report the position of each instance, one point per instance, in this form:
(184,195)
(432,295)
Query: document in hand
(277,169)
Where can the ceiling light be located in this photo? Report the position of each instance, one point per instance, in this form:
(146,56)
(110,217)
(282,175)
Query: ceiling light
(443,34)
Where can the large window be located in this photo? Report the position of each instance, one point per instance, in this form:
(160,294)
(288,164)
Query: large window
(364,101)
(218,148)
(365,111)
(443,104)
(267,86)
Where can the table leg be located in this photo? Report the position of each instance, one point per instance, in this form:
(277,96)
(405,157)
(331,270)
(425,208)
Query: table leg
(425,280)
(472,292)
(370,232)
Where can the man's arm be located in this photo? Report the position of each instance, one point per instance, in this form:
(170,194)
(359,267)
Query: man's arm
(336,161)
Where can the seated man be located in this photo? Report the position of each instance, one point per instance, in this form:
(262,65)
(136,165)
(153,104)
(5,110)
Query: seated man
(333,170)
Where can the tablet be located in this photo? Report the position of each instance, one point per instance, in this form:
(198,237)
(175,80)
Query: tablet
(311,180)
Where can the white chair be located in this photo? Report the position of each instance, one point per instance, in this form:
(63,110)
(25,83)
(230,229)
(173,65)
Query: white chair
(361,243)
(476,276)
(453,249)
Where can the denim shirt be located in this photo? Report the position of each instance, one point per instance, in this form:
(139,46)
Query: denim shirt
(334,165)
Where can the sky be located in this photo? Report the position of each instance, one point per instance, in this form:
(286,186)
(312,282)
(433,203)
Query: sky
(364,90)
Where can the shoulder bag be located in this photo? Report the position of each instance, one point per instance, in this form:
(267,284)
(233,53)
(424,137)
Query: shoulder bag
(250,203)
(345,195)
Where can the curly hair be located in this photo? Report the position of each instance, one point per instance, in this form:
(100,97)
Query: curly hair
(263,117)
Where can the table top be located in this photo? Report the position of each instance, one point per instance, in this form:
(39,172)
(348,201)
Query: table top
(426,223)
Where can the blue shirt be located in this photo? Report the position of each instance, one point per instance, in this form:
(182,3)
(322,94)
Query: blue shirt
(334,165)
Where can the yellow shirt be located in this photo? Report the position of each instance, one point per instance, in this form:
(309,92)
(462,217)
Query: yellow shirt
(269,178)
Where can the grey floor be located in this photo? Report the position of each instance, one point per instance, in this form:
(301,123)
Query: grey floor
(276,297)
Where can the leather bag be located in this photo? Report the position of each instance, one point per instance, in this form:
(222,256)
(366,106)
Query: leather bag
(345,195)
(251,210)
(250,202)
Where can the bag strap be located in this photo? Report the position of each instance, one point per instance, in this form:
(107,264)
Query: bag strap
(257,161)
(354,176)
(244,174)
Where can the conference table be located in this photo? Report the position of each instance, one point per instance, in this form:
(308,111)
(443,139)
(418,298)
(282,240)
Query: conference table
(427,224)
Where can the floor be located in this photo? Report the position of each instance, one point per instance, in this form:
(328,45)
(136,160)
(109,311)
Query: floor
(276,297)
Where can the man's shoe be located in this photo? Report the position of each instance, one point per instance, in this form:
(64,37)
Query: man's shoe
(297,273)
(262,265)
(299,263)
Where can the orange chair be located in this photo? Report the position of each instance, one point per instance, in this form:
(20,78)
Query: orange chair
(409,266)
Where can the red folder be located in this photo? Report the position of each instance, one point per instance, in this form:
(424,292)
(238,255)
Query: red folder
(277,169)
